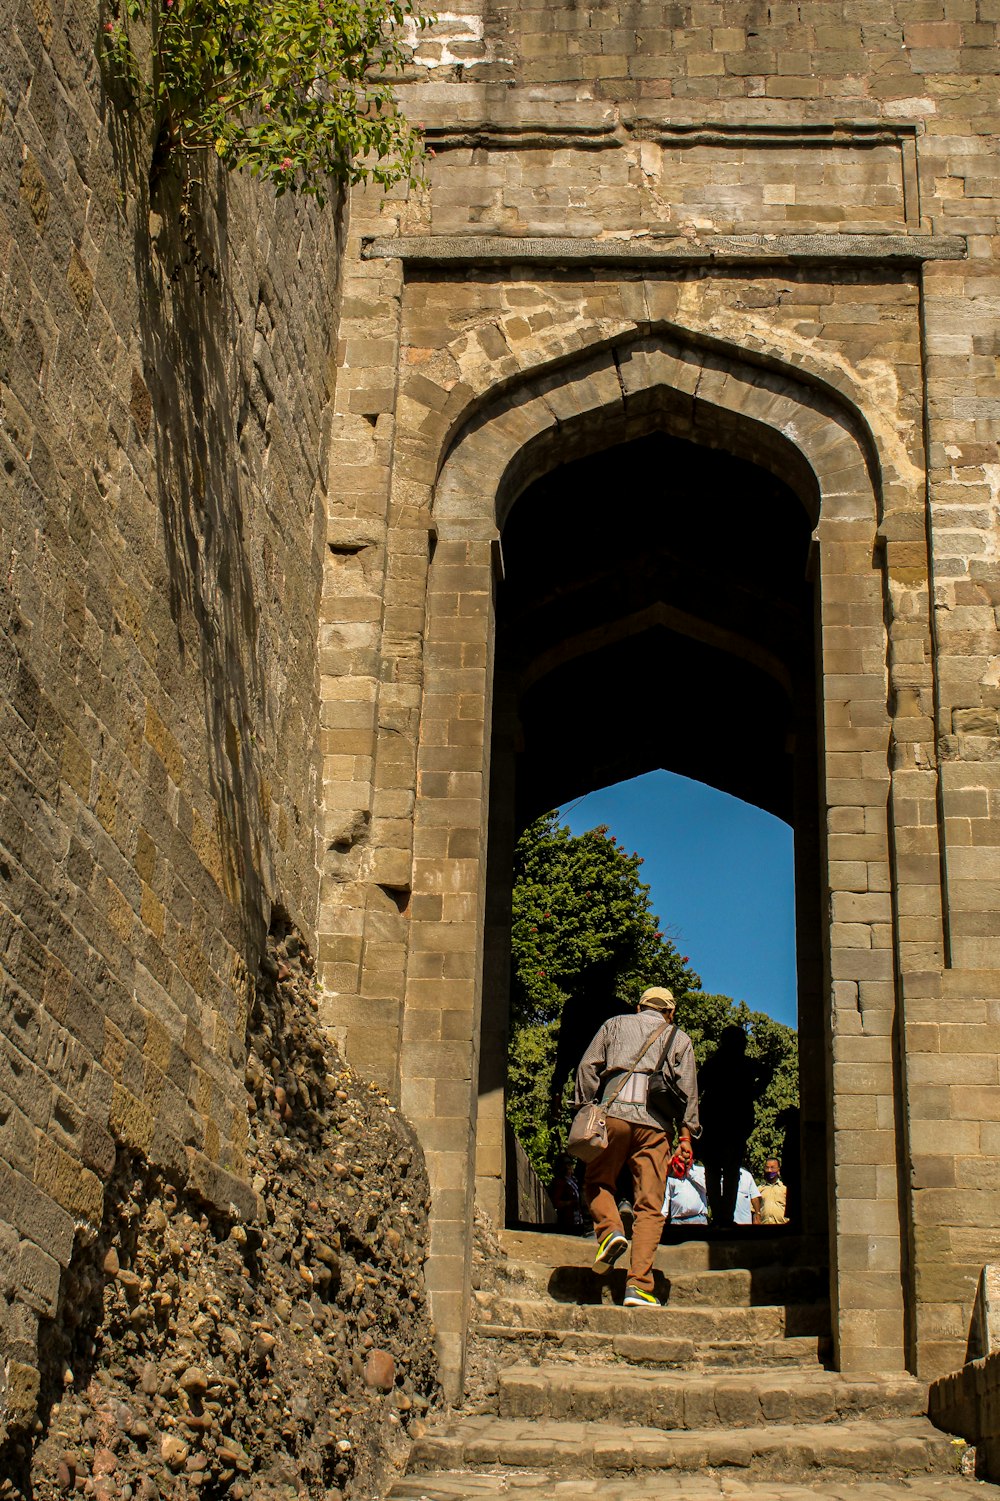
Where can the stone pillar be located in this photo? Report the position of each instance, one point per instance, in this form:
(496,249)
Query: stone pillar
(865,1086)
(809,958)
(439,1062)
(370,643)
(492,1134)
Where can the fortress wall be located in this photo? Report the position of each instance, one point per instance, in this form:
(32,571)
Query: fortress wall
(169,546)
(629,124)
(164,403)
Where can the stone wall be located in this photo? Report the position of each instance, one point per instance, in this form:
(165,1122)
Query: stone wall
(968,1403)
(163,426)
(807,191)
(769,228)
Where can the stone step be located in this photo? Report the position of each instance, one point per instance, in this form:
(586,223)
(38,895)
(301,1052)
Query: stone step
(681,1251)
(707,1324)
(543,1485)
(890,1448)
(727,1399)
(804,1351)
(734,1287)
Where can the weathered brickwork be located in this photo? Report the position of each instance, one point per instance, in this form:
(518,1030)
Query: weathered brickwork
(966,1402)
(765,230)
(162,432)
(565,283)
(641,177)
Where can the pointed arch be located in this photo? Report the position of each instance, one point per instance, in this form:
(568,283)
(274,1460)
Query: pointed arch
(821,445)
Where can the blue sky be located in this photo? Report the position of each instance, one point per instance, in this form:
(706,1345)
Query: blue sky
(721,880)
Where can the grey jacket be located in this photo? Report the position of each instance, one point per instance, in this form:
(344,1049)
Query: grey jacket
(611,1054)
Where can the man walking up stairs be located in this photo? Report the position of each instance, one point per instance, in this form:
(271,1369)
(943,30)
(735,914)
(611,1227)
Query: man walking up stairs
(721,1393)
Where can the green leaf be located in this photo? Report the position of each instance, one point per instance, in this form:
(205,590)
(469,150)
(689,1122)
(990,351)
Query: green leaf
(281,90)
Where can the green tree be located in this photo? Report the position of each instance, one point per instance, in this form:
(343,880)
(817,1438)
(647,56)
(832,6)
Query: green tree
(772,1049)
(294,91)
(584,932)
(585,944)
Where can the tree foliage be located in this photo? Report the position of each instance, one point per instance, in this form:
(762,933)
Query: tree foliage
(773,1053)
(290,90)
(585,944)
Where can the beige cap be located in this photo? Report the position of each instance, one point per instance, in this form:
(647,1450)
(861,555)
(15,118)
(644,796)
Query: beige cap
(659,998)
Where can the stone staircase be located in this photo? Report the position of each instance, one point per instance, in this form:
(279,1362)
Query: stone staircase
(723,1392)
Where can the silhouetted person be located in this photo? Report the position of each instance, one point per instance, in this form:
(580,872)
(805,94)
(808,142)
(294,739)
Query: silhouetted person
(789,1122)
(727,1089)
(581,1019)
(565,1195)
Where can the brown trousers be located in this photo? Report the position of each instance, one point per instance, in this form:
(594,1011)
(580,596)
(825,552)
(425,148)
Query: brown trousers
(646,1149)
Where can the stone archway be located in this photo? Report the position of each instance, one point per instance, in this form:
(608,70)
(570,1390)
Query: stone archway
(806,431)
(657,610)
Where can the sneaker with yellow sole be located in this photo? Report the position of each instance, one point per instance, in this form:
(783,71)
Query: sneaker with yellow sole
(636,1298)
(610,1249)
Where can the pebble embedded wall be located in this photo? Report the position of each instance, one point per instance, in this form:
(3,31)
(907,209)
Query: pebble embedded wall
(162,431)
(589,165)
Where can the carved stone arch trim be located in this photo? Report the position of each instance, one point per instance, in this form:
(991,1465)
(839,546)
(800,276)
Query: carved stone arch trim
(648,364)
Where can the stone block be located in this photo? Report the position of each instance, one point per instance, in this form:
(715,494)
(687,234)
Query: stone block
(10,1249)
(74,1188)
(38,1279)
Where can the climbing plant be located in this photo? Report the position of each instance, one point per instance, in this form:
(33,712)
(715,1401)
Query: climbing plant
(293,91)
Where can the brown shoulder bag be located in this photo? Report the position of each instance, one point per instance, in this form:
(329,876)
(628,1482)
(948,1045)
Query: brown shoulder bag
(588,1135)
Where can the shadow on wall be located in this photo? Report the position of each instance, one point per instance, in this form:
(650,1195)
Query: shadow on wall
(204,400)
(967,1402)
(188,401)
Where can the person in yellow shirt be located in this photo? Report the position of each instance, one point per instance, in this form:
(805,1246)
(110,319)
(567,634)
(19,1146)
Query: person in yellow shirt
(773,1195)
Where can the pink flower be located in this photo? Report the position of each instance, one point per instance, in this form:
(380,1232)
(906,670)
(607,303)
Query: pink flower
(109,26)
(285,163)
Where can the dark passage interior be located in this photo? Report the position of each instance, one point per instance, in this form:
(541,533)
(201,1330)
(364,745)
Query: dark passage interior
(656,610)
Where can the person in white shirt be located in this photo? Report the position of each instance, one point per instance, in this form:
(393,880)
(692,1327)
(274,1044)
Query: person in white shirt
(747,1210)
(686,1199)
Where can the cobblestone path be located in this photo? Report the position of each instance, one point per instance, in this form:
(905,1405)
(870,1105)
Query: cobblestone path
(723,1394)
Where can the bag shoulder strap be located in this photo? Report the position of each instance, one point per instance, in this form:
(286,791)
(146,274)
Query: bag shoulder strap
(667,1046)
(635,1064)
